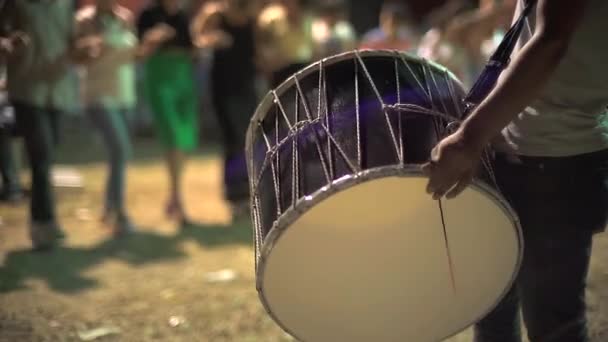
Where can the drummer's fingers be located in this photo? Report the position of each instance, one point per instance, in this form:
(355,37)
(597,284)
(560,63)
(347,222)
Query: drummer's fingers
(459,188)
(440,191)
(429,170)
(439,182)
(435,153)
(426,168)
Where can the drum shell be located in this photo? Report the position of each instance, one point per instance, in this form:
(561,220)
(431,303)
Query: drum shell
(300,142)
(336,126)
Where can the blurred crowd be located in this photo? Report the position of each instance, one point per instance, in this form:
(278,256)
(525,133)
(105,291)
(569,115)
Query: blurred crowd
(102,60)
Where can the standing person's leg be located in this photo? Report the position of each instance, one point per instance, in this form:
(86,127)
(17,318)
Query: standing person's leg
(175,167)
(222,100)
(11,186)
(560,203)
(166,121)
(38,129)
(177,138)
(238,191)
(502,324)
(162,98)
(187,126)
(112,126)
(553,283)
(234,110)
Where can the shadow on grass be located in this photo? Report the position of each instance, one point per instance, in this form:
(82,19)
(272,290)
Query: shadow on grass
(62,268)
(239,232)
(145,150)
(85,147)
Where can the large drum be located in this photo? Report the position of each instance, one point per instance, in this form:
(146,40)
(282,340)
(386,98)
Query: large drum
(349,246)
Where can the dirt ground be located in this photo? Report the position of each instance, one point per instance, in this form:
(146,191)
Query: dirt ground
(154,286)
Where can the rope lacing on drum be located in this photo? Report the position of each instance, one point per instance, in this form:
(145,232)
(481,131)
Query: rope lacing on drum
(327,132)
(383,105)
(295,168)
(443,105)
(289,136)
(323,90)
(273,170)
(323,122)
(277,100)
(300,94)
(278,165)
(273,151)
(451,122)
(358,116)
(411,71)
(399,117)
(412,108)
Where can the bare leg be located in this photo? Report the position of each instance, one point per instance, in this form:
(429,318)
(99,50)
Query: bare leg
(175,164)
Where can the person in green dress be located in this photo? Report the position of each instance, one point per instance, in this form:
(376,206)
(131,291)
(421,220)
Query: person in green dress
(168,50)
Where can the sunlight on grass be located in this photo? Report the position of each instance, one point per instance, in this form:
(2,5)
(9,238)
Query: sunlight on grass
(154,286)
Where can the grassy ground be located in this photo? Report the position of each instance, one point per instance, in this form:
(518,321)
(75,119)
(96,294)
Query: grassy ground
(152,287)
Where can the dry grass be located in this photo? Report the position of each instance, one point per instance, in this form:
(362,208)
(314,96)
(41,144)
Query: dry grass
(137,284)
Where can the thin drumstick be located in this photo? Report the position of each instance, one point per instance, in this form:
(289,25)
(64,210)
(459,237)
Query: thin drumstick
(447,247)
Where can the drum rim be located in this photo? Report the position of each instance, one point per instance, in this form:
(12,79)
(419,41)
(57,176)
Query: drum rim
(291,214)
(267,101)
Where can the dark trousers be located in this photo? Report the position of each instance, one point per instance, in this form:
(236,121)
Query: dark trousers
(234,110)
(561,203)
(8,165)
(39,128)
(114,130)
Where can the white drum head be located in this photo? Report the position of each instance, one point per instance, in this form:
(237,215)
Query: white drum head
(369,263)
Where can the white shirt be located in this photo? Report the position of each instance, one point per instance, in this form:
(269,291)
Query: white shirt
(569,117)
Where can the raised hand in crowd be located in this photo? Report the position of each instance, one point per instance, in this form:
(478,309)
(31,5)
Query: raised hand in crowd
(155,37)
(13,43)
(89,48)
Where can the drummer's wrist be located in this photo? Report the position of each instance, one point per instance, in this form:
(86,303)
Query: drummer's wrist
(473,135)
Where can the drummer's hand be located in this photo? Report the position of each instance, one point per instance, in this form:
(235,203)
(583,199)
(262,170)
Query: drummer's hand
(14,43)
(453,164)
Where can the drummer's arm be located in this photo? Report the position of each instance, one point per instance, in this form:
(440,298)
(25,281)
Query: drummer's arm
(528,72)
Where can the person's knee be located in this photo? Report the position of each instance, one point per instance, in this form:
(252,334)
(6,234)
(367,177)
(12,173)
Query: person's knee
(119,149)
(39,146)
(40,156)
